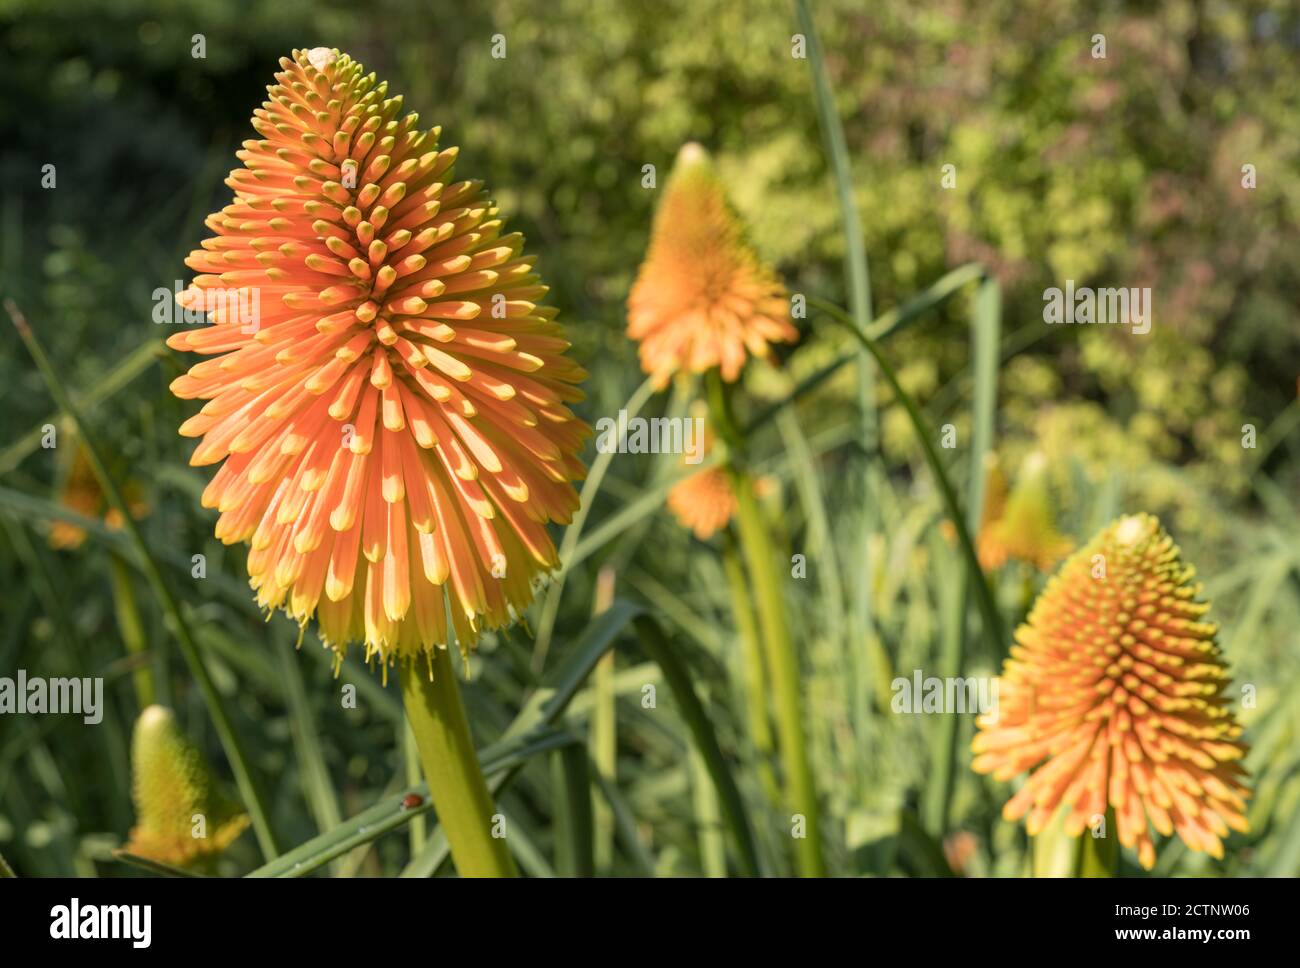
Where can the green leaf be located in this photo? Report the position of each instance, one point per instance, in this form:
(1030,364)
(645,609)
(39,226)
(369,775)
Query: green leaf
(994,629)
(659,648)
(986,333)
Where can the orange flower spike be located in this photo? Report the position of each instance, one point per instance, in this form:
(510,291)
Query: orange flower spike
(388,399)
(702,298)
(1114,695)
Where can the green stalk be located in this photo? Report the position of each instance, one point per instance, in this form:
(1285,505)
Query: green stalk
(604,731)
(179,627)
(1057,854)
(858,274)
(314,775)
(801,795)
(132,629)
(986,335)
(573,826)
(127,369)
(1052,853)
(755,676)
(1099,856)
(660,648)
(782,659)
(708,817)
(456,785)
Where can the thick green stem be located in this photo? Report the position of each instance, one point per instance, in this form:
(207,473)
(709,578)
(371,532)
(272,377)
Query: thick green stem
(1057,854)
(783,663)
(751,659)
(456,784)
(1099,856)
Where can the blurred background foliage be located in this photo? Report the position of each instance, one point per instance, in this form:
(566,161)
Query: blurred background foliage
(1125,171)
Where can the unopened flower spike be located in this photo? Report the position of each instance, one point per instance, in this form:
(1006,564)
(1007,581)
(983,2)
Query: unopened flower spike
(702,298)
(1022,527)
(1114,696)
(182,817)
(387,397)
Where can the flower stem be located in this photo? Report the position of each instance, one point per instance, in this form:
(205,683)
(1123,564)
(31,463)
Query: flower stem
(751,657)
(782,659)
(1099,856)
(456,784)
(783,663)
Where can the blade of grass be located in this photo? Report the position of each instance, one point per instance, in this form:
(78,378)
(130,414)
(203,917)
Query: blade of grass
(855,248)
(573,823)
(858,274)
(992,619)
(123,372)
(625,825)
(708,818)
(754,674)
(887,323)
(151,866)
(820,546)
(313,772)
(523,845)
(590,487)
(179,627)
(603,732)
(660,649)
(411,758)
(986,334)
(131,629)
(650,502)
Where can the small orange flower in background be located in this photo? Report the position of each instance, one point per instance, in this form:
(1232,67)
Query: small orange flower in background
(702,298)
(1114,696)
(1020,526)
(393,412)
(703,502)
(81,493)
